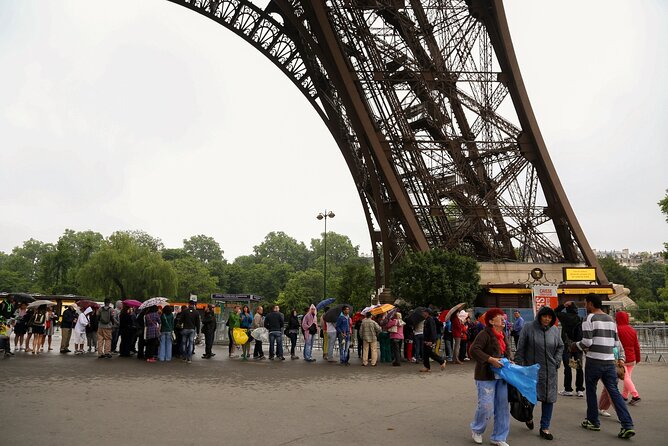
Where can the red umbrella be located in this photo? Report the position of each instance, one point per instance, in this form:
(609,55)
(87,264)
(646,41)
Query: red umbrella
(132,303)
(83,304)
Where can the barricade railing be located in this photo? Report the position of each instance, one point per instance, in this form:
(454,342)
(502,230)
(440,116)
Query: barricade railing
(646,340)
(660,336)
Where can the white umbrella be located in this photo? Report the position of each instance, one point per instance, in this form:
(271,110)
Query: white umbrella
(39,303)
(159,301)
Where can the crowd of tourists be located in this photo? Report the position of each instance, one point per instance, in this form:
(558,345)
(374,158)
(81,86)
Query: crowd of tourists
(597,348)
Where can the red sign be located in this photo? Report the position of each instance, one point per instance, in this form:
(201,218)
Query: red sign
(544,296)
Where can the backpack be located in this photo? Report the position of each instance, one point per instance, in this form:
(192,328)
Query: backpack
(105,315)
(39,319)
(574,332)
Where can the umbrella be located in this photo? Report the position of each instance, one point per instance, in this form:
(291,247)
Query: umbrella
(388,316)
(83,304)
(158,301)
(39,303)
(415,316)
(441,316)
(357,317)
(454,310)
(132,303)
(333,314)
(382,309)
(261,334)
(22,298)
(323,303)
(367,309)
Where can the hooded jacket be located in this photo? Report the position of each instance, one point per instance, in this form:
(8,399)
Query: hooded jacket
(628,337)
(542,345)
(309,319)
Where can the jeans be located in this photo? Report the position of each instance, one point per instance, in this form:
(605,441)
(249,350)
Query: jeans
(595,371)
(331,341)
(568,372)
(187,342)
(448,349)
(344,349)
(308,346)
(165,350)
(277,337)
(546,415)
(417,346)
(492,400)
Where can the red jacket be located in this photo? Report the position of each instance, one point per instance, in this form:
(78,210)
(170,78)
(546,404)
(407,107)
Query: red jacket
(628,337)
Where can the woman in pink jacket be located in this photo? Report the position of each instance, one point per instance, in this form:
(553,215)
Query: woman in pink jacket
(396,329)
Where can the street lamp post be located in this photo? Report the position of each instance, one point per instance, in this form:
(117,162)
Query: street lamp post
(324,216)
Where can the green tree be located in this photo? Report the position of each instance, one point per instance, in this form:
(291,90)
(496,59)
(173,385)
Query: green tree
(339,249)
(193,277)
(354,283)
(266,279)
(650,276)
(11,281)
(174,253)
(204,248)
(303,289)
(26,261)
(436,277)
(127,267)
(281,248)
(617,273)
(60,266)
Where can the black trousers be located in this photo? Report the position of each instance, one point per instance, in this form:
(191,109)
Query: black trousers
(152,347)
(396,351)
(568,372)
(429,353)
(231,337)
(293,343)
(208,342)
(257,350)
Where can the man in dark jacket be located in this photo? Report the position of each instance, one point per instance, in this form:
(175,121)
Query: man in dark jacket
(66,324)
(191,326)
(571,331)
(209,330)
(274,322)
(429,342)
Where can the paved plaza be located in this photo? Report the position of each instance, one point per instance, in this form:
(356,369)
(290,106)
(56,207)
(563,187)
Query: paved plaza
(56,399)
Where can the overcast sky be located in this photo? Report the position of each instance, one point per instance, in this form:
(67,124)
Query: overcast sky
(144,115)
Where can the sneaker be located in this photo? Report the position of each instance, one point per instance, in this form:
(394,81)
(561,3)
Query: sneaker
(635,400)
(188,361)
(477,438)
(581,394)
(499,443)
(626,433)
(566,393)
(604,413)
(590,426)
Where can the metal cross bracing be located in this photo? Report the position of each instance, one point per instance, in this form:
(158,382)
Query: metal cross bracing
(426,102)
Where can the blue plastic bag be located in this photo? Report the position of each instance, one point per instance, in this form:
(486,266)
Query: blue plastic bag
(523,378)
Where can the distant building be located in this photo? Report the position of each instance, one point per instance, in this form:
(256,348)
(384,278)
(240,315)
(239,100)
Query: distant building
(632,260)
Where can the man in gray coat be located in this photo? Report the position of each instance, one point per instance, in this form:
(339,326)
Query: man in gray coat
(540,343)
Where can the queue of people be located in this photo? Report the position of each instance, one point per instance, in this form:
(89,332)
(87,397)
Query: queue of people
(598,348)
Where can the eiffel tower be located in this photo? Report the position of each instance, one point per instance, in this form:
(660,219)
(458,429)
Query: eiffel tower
(426,102)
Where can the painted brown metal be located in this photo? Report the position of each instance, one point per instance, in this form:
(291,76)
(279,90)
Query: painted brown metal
(427,105)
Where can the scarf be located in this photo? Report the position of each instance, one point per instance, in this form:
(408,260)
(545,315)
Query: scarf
(502,342)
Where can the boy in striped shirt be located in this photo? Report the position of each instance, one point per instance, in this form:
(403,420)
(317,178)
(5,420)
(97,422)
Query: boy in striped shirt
(599,338)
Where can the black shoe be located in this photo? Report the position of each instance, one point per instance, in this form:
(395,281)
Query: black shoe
(530,425)
(281,358)
(108,356)
(271,358)
(545,435)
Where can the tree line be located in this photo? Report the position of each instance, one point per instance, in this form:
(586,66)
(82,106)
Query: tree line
(134,264)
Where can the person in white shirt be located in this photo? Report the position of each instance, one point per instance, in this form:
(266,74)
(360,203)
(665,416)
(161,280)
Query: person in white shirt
(80,331)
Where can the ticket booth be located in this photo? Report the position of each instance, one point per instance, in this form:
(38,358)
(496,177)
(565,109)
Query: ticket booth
(225,303)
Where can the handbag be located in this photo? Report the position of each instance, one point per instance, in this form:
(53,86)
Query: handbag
(313,329)
(393,329)
(621,371)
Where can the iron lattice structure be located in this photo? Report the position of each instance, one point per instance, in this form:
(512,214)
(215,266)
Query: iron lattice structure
(427,104)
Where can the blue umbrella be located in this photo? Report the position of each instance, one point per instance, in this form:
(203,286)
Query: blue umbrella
(323,303)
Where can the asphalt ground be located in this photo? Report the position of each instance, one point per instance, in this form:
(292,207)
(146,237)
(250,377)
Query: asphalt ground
(55,399)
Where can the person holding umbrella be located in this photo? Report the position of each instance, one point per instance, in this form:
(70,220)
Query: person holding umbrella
(396,329)
(343,332)
(487,350)
(429,341)
(540,343)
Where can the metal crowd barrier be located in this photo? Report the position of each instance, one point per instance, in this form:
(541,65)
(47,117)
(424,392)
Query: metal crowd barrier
(653,340)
